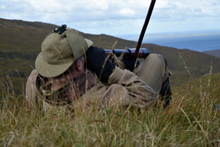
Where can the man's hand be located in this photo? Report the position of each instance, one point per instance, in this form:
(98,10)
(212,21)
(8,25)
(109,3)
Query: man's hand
(96,62)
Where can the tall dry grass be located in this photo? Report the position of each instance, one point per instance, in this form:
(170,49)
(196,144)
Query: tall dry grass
(192,119)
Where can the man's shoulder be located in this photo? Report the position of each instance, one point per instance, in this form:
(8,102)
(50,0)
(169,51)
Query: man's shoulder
(33,75)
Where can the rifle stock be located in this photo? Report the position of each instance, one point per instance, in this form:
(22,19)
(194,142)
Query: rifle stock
(129,53)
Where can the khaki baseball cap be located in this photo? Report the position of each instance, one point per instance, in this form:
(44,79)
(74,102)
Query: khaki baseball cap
(59,51)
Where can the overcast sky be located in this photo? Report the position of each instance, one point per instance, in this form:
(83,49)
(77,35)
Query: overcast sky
(119,17)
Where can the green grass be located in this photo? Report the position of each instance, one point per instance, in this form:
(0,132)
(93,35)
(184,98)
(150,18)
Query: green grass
(191,120)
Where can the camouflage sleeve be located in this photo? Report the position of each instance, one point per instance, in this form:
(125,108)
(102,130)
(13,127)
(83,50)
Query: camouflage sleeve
(140,93)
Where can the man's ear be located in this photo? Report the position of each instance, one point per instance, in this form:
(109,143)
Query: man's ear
(79,65)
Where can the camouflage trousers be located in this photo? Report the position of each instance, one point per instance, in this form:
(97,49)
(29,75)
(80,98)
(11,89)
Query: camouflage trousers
(153,70)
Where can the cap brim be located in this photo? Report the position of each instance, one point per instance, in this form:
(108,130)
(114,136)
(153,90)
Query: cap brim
(49,70)
(89,42)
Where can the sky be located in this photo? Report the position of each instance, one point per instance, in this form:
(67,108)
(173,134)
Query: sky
(119,17)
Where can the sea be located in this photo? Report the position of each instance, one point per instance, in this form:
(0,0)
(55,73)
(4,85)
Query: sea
(195,42)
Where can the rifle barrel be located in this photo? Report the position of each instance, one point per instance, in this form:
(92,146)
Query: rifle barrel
(129,53)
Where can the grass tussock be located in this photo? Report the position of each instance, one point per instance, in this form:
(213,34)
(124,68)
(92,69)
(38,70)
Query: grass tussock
(191,120)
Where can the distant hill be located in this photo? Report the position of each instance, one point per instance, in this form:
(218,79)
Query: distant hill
(215,53)
(21,42)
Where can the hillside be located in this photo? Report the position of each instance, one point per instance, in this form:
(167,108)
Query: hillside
(21,42)
(215,53)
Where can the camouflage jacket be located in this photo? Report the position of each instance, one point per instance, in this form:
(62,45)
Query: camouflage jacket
(123,88)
